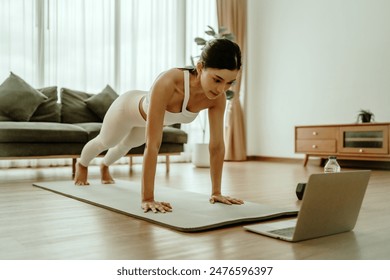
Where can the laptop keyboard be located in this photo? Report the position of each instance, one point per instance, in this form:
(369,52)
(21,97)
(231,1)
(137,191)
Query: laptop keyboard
(288,232)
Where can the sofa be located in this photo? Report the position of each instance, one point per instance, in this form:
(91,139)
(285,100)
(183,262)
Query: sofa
(52,123)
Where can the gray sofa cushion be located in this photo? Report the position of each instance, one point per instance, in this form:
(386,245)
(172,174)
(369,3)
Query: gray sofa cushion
(174,135)
(50,109)
(99,103)
(18,100)
(74,109)
(41,132)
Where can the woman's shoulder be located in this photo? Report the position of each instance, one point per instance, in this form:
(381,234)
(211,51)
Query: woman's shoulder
(173,75)
(173,72)
(168,80)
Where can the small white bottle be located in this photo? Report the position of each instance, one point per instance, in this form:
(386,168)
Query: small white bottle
(332,165)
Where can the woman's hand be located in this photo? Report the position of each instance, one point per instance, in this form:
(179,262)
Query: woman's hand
(156,206)
(225,199)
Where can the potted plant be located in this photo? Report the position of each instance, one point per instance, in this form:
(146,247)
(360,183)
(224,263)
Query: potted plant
(222,34)
(200,155)
(365,116)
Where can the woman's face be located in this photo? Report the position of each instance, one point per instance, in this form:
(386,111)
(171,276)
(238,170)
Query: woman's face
(216,81)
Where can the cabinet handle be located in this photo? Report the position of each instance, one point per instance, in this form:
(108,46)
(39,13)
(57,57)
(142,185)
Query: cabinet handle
(314,146)
(315,133)
(361,150)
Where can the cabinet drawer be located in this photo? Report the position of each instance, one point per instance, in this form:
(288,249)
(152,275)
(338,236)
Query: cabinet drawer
(316,132)
(316,146)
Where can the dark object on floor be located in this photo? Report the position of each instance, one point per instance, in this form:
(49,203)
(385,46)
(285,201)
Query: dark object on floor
(300,190)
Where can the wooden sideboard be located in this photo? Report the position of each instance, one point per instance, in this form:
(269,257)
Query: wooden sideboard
(363,141)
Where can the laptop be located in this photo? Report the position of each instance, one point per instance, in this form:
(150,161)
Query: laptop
(330,205)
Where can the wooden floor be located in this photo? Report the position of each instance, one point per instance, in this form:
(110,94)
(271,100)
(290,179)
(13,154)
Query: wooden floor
(38,224)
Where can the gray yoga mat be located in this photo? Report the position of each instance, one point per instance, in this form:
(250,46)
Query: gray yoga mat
(191,211)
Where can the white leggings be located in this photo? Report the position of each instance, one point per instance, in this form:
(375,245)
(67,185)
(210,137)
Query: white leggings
(123,128)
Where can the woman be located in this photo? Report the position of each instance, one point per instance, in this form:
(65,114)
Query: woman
(176,96)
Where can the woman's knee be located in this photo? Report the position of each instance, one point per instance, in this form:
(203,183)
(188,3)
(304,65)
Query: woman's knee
(103,144)
(135,138)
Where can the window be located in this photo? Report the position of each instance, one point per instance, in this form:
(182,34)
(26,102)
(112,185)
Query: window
(87,44)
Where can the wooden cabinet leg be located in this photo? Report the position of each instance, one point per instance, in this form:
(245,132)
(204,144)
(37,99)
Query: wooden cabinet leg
(74,161)
(131,162)
(167,163)
(306,160)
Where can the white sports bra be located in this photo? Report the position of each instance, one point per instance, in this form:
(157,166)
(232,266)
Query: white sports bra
(184,116)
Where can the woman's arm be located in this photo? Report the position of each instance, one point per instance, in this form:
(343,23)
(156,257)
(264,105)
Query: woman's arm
(216,145)
(161,93)
(217,152)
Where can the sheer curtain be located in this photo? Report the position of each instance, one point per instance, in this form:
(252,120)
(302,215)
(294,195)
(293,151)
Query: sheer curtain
(19,39)
(78,44)
(85,45)
(199,15)
(92,43)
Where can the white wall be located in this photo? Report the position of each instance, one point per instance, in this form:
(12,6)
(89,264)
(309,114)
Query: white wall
(313,62)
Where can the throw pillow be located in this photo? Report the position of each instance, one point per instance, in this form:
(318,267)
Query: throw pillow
(73,107)
(49,110)
(18,100)
(99,103)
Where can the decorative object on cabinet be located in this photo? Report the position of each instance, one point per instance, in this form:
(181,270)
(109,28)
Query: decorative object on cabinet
(365,116)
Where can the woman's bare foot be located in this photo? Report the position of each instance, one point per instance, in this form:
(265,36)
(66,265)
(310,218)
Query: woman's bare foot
(106,176)
(81,175)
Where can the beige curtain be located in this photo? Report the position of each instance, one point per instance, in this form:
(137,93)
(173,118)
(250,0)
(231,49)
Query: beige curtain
(232,15)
